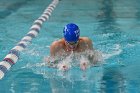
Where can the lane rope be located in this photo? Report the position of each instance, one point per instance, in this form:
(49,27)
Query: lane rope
(13,55)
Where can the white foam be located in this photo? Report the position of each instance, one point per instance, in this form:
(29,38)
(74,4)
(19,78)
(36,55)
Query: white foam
(65,64)
(117,50)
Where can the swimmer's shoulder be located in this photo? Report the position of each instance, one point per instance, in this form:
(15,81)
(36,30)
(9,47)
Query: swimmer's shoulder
(57,43)
(85,39)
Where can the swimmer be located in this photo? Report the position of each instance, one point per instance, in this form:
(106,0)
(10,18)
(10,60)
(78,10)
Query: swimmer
(71,43)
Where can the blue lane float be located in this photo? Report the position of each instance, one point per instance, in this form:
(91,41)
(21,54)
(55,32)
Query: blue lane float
(13,55)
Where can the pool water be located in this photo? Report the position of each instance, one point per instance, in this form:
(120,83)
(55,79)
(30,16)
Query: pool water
(113,27)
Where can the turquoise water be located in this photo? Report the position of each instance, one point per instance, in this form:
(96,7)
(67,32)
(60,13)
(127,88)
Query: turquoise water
(112,25)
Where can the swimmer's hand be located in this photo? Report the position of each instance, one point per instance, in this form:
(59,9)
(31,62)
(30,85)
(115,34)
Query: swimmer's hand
(63,66)
(84,65)
(46,59)
(50,61)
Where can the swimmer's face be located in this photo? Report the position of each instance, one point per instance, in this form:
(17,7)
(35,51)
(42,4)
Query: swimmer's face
(72,45)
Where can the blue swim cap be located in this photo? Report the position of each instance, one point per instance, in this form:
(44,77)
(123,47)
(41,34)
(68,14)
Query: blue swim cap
(71,32)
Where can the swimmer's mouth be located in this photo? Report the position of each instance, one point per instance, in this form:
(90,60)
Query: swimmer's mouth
(72,45)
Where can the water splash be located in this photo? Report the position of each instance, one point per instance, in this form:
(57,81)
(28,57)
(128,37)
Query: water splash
(83,60)
(116,51)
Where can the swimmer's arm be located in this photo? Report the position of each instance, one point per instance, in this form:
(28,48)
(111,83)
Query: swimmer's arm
(51,60)
(91,56)
(53,49)
(90,44)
